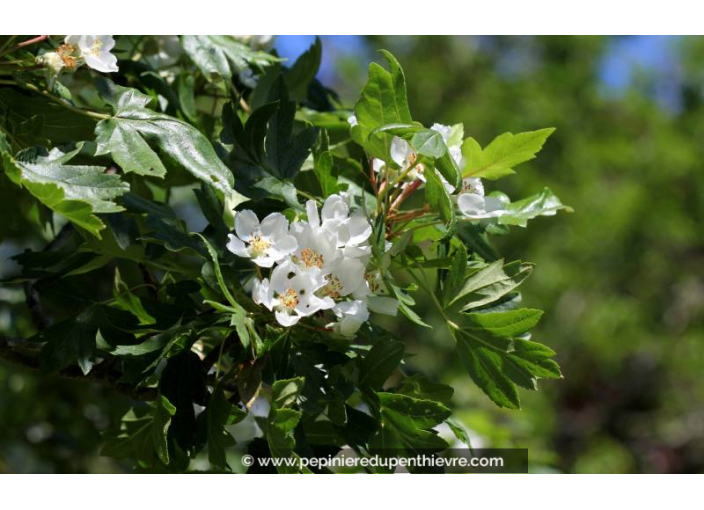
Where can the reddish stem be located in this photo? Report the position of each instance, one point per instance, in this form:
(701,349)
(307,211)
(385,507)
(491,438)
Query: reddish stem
(29,42)
(406,193)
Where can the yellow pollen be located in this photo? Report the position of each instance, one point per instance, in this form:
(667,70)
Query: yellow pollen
(258,244)
(373,281)
(96,47)
(65,51)
(289,299)
(468,188)
(333,287)
(311,258)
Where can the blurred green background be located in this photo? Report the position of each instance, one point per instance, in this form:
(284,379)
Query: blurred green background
(622,279)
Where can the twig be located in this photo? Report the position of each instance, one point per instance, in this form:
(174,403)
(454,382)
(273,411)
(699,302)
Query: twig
(58,100)
(22,44)
(28,42)
(102,373)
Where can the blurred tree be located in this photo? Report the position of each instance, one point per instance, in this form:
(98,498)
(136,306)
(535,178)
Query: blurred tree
(622,278)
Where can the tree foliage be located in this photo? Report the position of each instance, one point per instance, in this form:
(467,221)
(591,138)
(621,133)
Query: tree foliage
(178,317)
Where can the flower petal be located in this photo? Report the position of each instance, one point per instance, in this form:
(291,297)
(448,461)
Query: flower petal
(246,225)
(237,247)
(381,304)
(104,62)
(312,210)
(286,245)
(400,149)
(107,42)
(285,319)
(360,229)
(471,204)
(274,225)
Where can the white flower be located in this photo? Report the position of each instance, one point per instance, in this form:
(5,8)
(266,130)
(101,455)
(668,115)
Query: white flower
(350,233)
(352,120)
(378,165)
(265,243)
(291,294)
(350,317)
(372,292)
(95,51)
(346,278)
(317,248)
(474,205)
(405,157)
(444,130)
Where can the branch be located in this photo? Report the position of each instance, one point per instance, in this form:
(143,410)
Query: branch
(102,374)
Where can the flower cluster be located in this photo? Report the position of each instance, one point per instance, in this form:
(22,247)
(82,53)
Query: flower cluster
(316,265)
(92,50)
(470,198)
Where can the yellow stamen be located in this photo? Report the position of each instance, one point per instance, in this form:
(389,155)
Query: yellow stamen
(259,245)
(96,47)
(333,287)
(311,258)
(289,299)
(66,51)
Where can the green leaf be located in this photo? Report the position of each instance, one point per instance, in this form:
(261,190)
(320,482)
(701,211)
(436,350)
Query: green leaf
(407,424)
(380,362)
(126,300)
(282,420)
(69,341)
(34,120)
(504,324)
(461,431)
(218,275)
(219,414)
(383,101)
(475,239)
(429,144)
(544,203)
(132,131)
(535,359)
(303,71)
(324,167)
(456,275)
(405,301)
(285,392)
(497,365)
(75,192)
(128,148)
(502,154)
(486,368)
(285,151)
(221,56)
(420,387)
(73,340)
(438,198)
(268,150)
(490,283)
(143,436)
(161,422)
